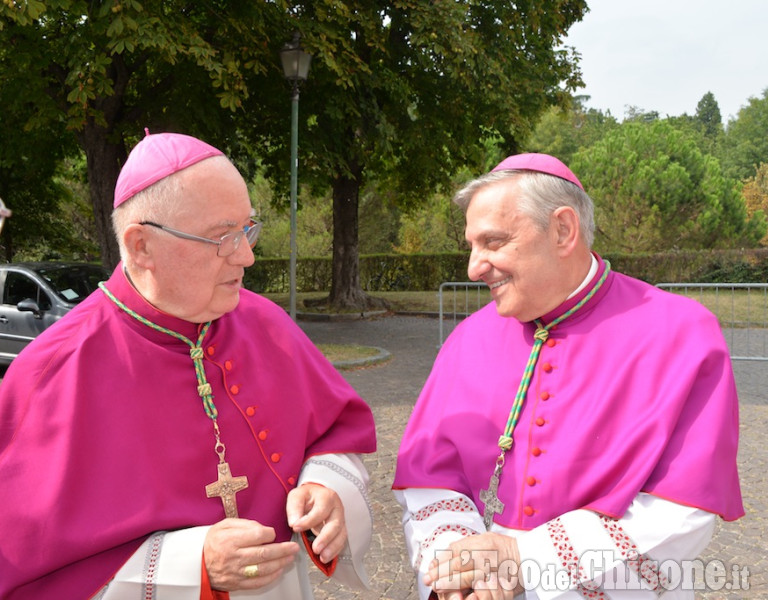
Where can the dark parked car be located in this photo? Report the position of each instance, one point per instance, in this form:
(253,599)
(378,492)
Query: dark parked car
(36,295)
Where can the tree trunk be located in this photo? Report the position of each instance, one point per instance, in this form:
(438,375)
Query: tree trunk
(8,243)
(346,292)
(104,158)
(105,155)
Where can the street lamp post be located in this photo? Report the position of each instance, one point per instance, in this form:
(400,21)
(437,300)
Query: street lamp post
(295,68)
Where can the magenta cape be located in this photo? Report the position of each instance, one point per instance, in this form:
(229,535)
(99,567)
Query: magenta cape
(633,393)
(104,439)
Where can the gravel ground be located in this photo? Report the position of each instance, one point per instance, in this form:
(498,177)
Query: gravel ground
(391,388)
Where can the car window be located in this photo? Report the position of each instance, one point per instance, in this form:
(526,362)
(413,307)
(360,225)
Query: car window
(19,286)
(74,282)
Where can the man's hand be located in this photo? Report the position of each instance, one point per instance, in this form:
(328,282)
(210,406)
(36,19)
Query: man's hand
(479,567)
(313,506)
(233,544)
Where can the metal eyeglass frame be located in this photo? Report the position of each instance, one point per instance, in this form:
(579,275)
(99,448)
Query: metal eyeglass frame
(250,232)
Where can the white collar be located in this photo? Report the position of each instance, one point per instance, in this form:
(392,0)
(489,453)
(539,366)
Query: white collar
(592,270)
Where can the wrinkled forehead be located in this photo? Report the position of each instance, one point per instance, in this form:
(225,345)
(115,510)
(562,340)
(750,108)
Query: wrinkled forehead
(495,206)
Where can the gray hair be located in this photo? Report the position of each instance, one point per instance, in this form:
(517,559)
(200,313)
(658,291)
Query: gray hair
(540,195)
(157,203)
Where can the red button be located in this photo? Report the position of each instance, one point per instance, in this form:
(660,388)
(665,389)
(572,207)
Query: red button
(545,396)
(263,434)
(228,365)
(546,367)
(235,389)
(536,451)
(540,421)
(551,342)
(250,411)
(292,480)
(528,510)
(275,457)
(211,350)
(531,480)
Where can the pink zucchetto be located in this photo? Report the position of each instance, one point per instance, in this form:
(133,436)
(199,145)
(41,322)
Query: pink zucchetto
(157,156)
(542,163)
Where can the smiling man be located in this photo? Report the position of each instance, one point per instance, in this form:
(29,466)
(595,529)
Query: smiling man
(177,436)
(576,437)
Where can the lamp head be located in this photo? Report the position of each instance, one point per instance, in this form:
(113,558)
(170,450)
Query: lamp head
(295,61)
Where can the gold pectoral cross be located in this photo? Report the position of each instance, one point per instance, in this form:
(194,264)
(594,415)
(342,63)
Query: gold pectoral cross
(225,487)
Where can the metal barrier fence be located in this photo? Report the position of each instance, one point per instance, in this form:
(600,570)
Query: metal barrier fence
(460,298)
(741,308)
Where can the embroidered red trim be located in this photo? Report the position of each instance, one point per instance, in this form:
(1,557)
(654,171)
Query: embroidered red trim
(150,577)
(453,505)
(641,564)
(570,561)
(427,543)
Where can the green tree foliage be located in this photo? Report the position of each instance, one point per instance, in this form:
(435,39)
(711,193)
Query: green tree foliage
(708,116)
(314,229)
(655,190)
(404,92)
(379,219)
(49,219)
(436,226)
(379,216)
(756,194)
(705,127)
(745,146)
(28,163)
(27,187)
(562,132)
(640,115)
(104,70)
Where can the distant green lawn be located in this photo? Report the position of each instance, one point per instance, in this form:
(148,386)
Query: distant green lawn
(737,308)
(401,301)
(733,308)
(343,352)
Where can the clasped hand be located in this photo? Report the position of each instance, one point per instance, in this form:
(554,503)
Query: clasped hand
(478,567)
(233,544)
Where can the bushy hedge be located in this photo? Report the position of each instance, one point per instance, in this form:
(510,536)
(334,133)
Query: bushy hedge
(695,266)
(378,273)
(423,272)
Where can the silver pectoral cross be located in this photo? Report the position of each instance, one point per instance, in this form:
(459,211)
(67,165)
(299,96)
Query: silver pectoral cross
(226,487)
(490,498)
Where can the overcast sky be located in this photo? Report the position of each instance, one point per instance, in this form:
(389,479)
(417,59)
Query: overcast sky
(664,55)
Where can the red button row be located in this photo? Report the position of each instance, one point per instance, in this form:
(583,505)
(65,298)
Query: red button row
(263,435)
(251,411)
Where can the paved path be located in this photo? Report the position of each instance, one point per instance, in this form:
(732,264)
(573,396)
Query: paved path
(391,389)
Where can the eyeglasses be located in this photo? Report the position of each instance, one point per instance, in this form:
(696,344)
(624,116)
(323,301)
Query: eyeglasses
(227,243)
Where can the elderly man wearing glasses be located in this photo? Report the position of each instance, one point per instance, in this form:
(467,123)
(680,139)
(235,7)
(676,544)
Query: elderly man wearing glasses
(177,436)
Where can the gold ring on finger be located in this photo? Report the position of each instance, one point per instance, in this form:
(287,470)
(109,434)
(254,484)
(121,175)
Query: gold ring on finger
(251,571)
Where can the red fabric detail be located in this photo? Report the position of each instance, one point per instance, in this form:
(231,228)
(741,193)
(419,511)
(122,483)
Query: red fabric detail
(453,505)
(427,543)
(326,568)
(206,591)
(641,564)
(570,561)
